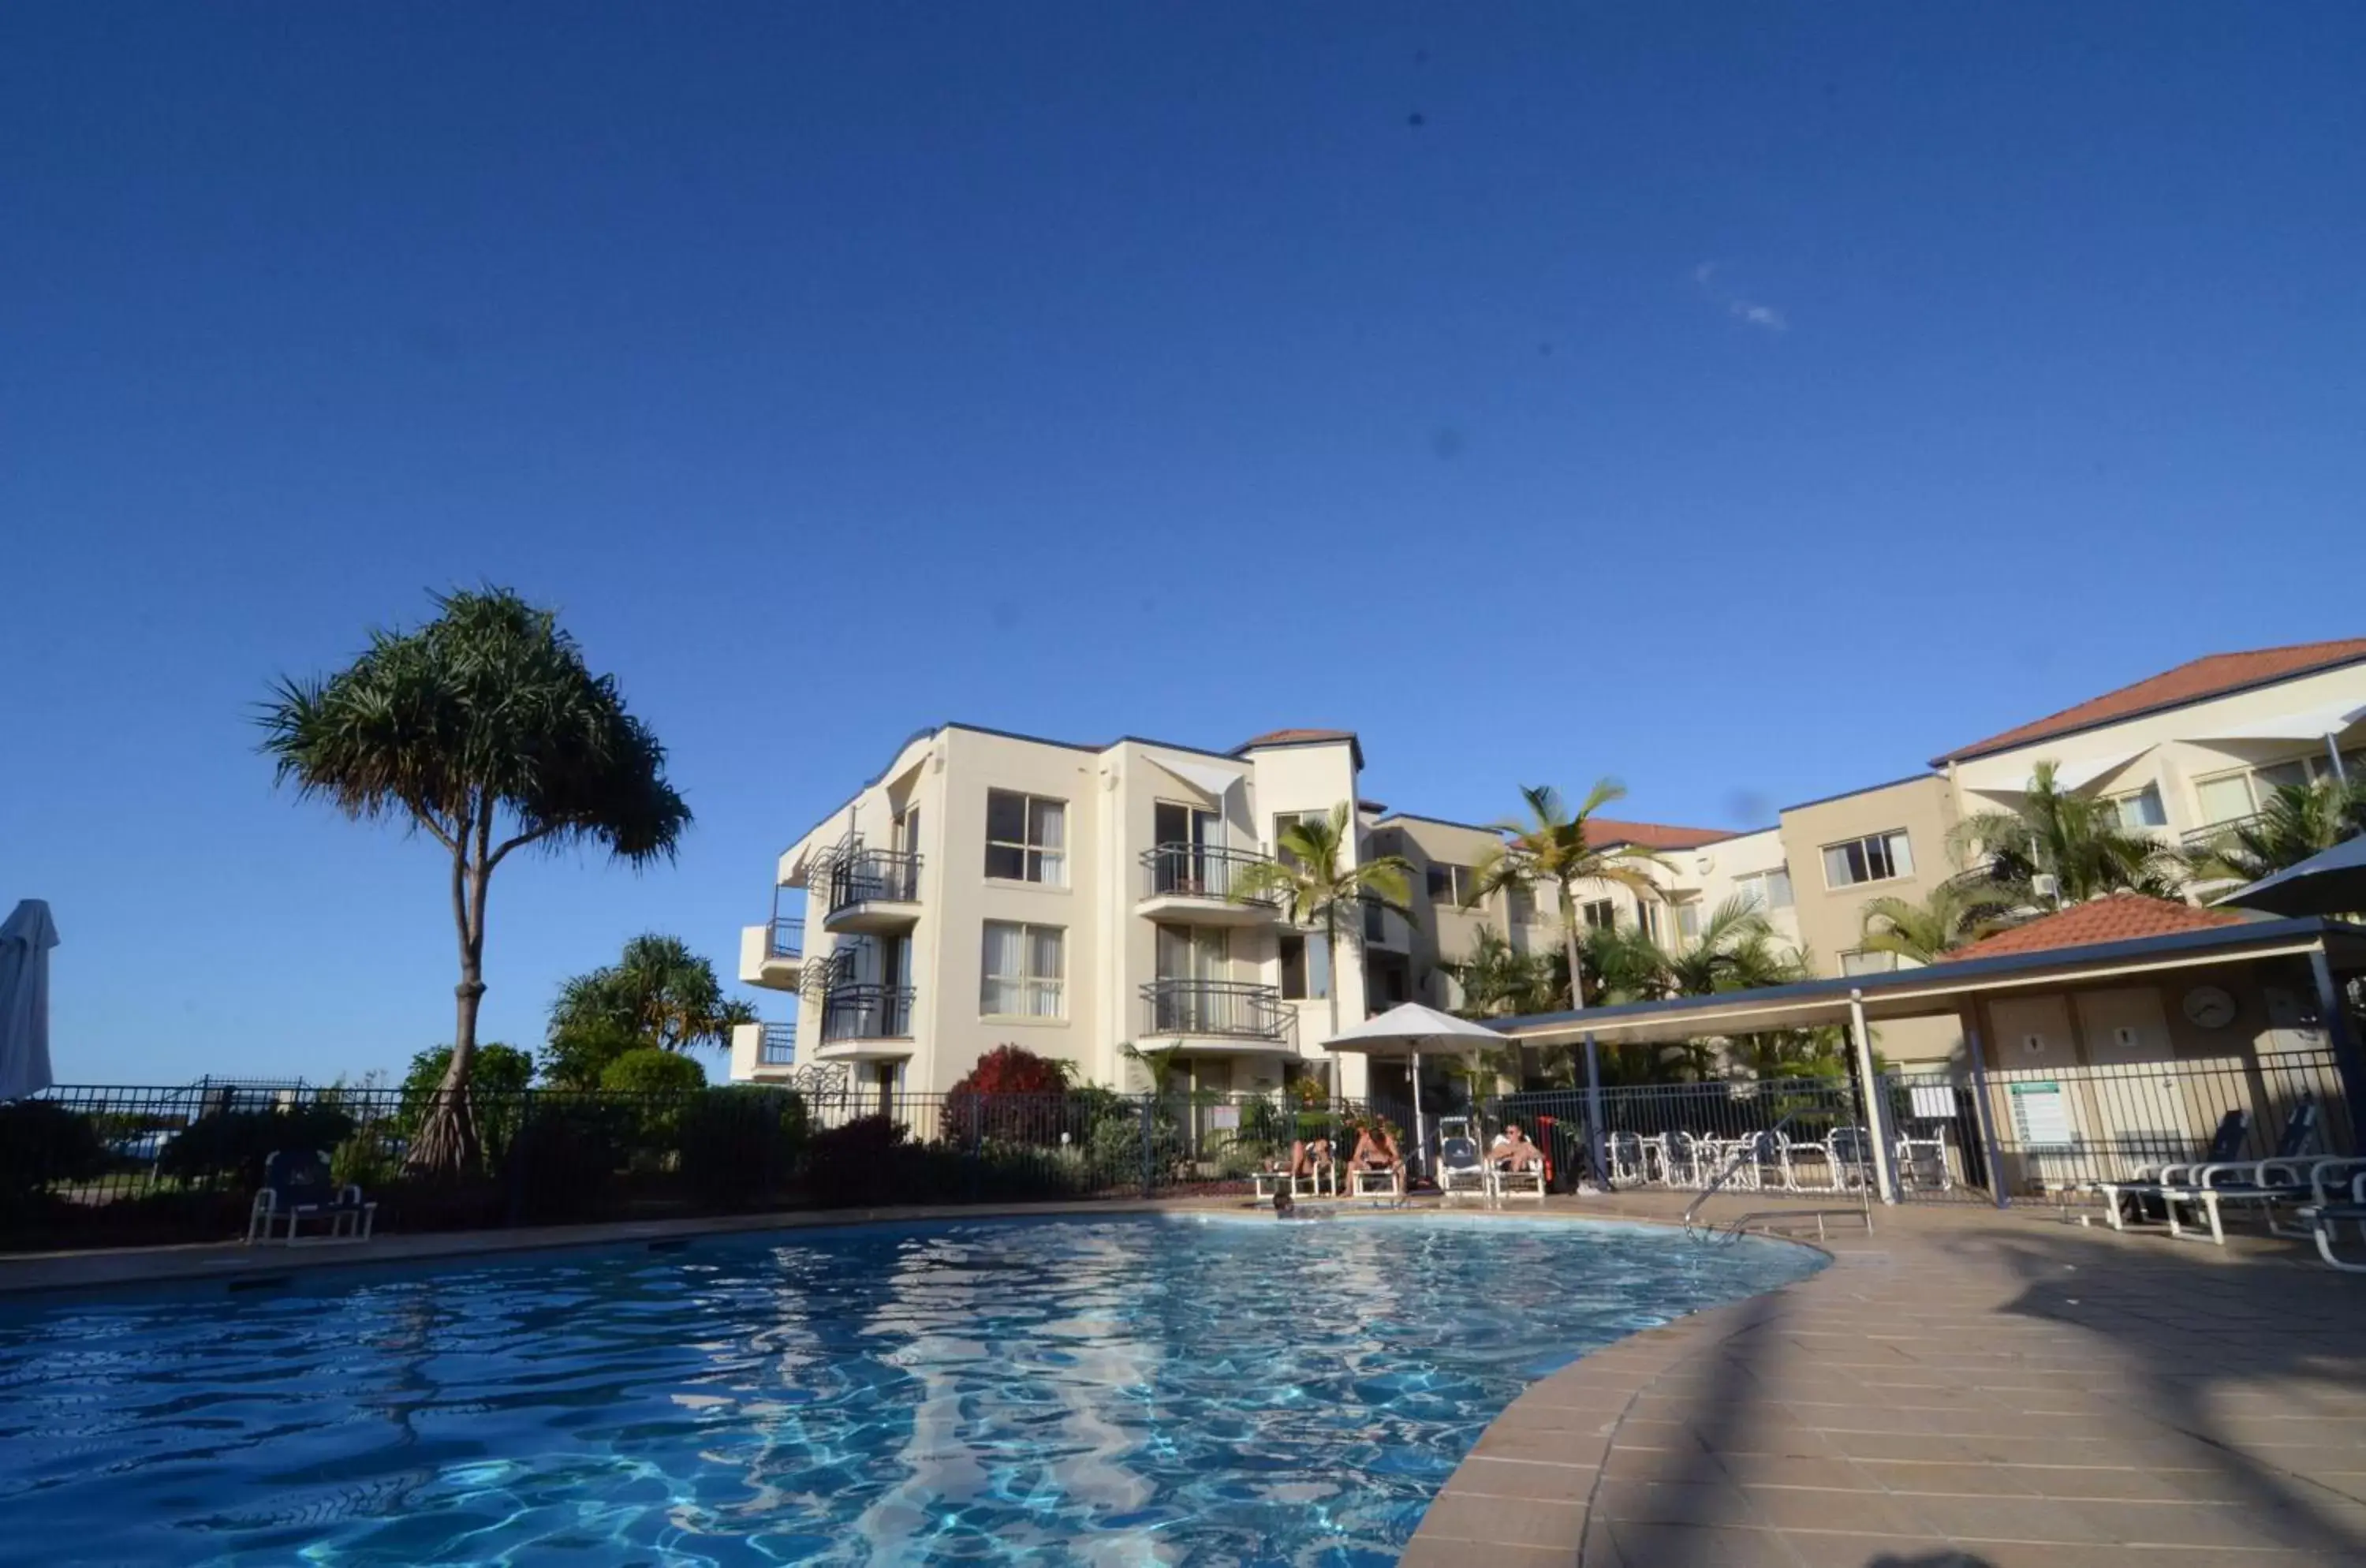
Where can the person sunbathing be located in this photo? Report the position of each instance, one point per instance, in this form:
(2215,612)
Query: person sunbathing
(1375,1150)
(1309,1159)
(1512,1151)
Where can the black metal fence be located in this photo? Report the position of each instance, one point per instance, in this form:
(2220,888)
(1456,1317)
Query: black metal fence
(1199,871)
(115,1166)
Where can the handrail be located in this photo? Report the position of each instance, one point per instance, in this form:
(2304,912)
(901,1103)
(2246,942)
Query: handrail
(1201,871)
(1748,1150)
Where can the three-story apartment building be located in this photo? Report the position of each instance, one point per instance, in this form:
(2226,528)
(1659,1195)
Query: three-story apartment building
(1079,899)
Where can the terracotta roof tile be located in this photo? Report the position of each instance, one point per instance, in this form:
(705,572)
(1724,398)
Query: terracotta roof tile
(1605,830)
(2213,675)
(1293,737)
(2117,916)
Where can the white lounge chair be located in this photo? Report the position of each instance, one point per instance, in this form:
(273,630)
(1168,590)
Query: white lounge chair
(1461,1169)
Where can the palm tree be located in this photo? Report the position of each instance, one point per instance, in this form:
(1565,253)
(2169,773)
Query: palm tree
(485,730)
(1954,914)
(1496,980)
(1315,887)
(1550,848)
(658,994)
(2075,839)
(2298,821)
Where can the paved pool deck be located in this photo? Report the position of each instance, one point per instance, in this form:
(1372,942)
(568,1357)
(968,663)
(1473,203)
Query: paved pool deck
(1961,1388)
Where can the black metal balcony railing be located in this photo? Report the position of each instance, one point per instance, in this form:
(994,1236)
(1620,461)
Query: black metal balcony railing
(2211,833)
(868,876)
(779,1048)
(1225,1007)
(787,939)
(867,1012)
(1194,871)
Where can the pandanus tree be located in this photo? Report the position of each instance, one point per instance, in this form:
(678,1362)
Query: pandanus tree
(1317,888)
(1552,847)
(485,730)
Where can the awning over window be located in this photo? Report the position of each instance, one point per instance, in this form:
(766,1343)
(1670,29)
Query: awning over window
(1210,780)
(2075,772)
(2308,723)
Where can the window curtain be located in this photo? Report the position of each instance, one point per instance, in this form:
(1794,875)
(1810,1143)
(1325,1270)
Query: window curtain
(1002,990)
(1045,970)
(1318,966)
(1047,834)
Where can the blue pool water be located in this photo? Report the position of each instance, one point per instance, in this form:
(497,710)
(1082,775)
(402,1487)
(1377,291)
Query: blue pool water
(1104,1392)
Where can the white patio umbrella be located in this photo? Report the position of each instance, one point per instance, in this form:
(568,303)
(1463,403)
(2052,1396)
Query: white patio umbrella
(25,944)
(1415,1028)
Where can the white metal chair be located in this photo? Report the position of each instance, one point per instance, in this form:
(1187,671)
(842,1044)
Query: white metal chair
(296,1186)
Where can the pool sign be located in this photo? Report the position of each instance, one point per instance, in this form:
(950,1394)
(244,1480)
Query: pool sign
(2040,1117)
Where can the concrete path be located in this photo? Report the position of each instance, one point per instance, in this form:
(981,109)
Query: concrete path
(1961,1388)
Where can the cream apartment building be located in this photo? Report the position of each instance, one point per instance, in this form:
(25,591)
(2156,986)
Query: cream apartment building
(1073,899)
(989,889)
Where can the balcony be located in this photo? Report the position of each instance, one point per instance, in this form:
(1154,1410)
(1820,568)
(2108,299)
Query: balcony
(873,890)
(863,1021)
(773,955)
(1215,1015)
(2211,833)
(762,1051)
(1201,887)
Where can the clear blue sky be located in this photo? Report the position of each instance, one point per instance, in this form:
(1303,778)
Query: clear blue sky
(1746,400)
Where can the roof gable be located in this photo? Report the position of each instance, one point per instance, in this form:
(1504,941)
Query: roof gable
(2198,680)
(2115,917)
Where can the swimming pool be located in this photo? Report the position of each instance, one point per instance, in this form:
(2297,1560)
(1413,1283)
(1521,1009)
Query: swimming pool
(1135,1389)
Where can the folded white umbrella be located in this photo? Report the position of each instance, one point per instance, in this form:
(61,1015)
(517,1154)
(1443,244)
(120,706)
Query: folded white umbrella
(1415,1028)
(25,944)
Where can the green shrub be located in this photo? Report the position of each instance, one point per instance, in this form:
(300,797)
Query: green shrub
(42,1141)
(234,1144)
(647,1069)
(365,1160)
(855,1163)
(739,1147)
(562,1160)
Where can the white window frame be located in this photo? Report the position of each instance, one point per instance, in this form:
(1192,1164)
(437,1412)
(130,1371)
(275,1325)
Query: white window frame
(2119,802)
(1026,844)
(1890,840)
(1031,987)
(1758,887)
(1585,914)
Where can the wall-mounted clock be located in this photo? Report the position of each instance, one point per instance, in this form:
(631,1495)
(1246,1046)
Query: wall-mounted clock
(2209,1007)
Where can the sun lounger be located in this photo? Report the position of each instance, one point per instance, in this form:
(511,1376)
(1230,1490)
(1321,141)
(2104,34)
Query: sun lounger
(1388,1181)
(2327,1214)
(2148,1181)
(296,1186)
(1461,1171)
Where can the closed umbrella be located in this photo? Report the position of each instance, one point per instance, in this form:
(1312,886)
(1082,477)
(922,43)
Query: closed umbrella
(1413,1029)
(2331,883)
(25,944)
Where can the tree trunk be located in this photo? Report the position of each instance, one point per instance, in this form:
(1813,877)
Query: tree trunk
(1569,940)
(447,1144)
(1331,940)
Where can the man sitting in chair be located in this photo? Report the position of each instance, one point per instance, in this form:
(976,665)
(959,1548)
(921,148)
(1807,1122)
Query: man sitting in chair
(1512,1150)
(1376,1151)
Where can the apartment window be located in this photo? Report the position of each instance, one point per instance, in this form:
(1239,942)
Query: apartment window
(1879,858)
(1376,925)
(1766,889)
(2141,810)
(1451,884)
(1519,904)
(2231,795)
(1283,822)
(1688,919)
(1599,914)
(1306,966)
(1024,972)
(1860,963)
(1026,838)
